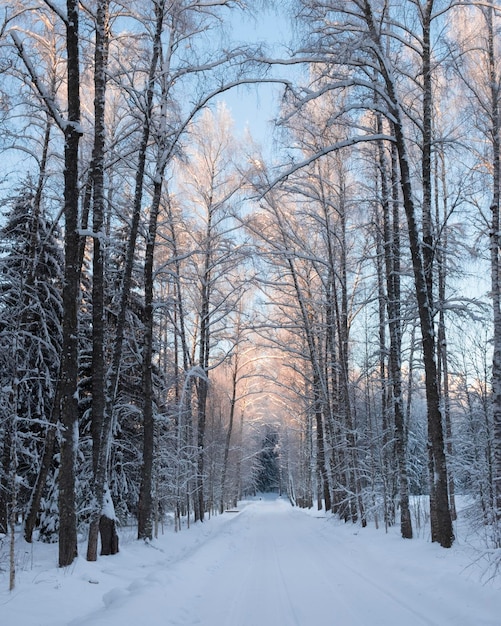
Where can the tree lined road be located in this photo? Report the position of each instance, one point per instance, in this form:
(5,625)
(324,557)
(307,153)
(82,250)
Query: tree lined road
(272,565)
(184,310)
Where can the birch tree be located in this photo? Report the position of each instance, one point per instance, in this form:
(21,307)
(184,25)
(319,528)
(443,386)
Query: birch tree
(478,40)
(103,517)
(212,183)
(277,238)
(359,36)
(67,118)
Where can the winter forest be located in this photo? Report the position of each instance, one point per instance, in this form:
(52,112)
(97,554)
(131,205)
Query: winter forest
(190,314)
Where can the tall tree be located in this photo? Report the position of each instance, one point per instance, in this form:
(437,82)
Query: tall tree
(71,127)
(391,238)
(69,361)
(478,43)
(493,113)
(278,236)
(103,517)
(361,33)
(211,185)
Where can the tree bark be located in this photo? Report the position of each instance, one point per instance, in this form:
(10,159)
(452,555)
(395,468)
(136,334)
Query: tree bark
(495,263)
(443,356)
(100,441)
(202,392)
(114,369)
(441,530)
(392,267)
(69,360)
(227,441)
(145,508)
(5,482)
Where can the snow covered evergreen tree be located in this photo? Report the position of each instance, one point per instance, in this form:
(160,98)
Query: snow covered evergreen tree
(268,478)
(30,339)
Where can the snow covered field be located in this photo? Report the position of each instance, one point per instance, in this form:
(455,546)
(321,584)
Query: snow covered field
(266,565)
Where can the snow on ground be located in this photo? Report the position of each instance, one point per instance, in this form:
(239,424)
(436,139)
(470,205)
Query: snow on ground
(266,565)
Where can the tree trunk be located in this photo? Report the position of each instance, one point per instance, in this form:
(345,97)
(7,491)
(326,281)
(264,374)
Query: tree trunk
(487,95)
(392,265)
(69,360)
(99,440)
(114,370)
(202,389)
(344,336)
(203,362)
(495,264)
(13,497)
(5,482)
(441,530)
(443,357)
(109,536)
(145,508)
(385,457)
(68,403)
(323,476)
(227,441)
(437,457)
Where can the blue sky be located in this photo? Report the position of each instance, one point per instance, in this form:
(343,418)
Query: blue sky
(254,107)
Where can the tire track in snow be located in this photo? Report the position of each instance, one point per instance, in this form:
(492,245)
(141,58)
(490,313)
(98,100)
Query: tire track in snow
(284,574)
(284,589)
(352,591)
(253,582)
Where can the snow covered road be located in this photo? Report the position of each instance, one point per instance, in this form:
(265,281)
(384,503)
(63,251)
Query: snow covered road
(272,565)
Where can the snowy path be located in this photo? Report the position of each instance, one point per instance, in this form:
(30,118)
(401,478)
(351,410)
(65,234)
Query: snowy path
(272,565)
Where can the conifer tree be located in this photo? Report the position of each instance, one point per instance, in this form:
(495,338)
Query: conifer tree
(30,339)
